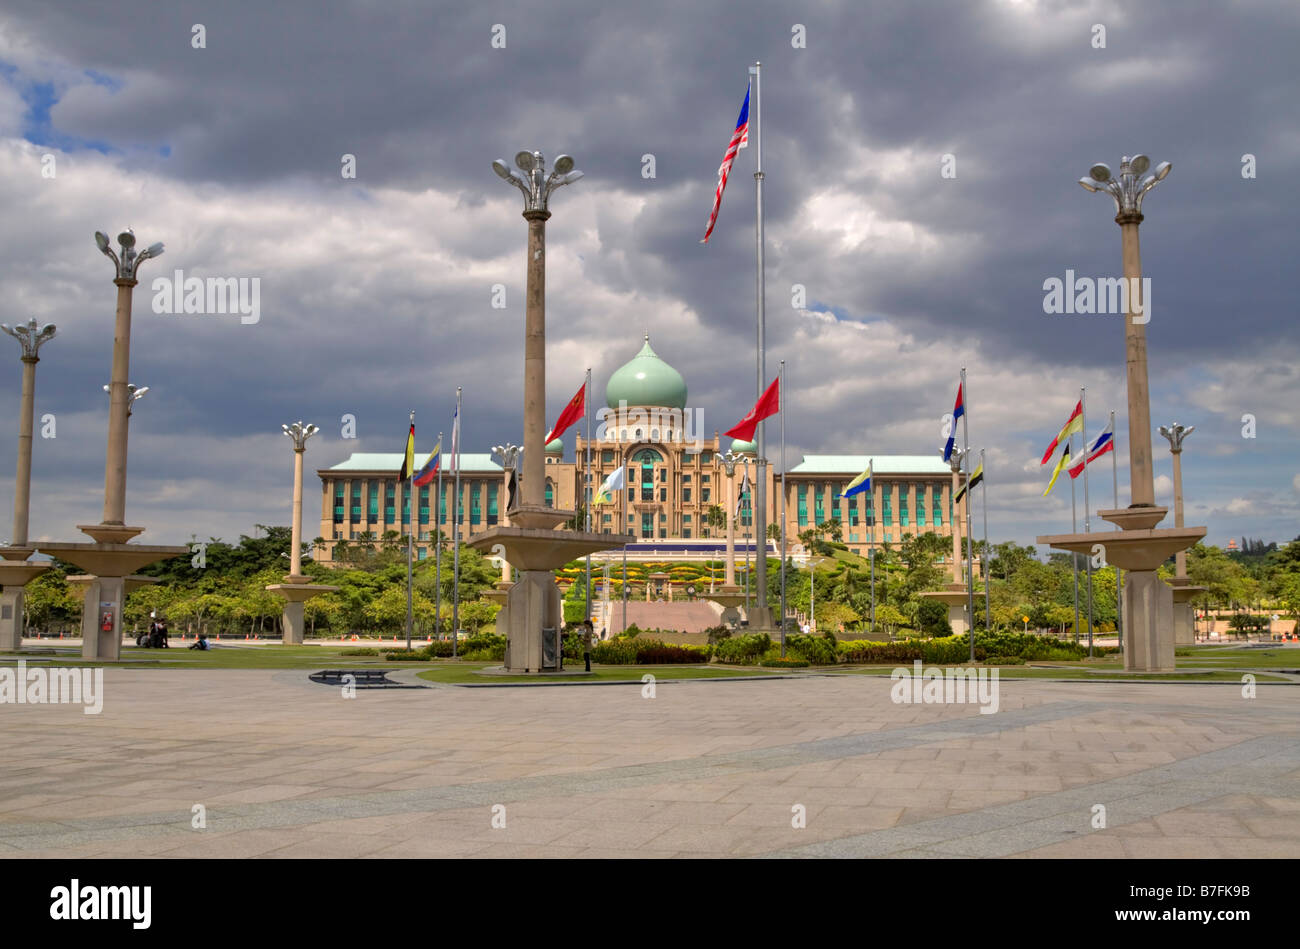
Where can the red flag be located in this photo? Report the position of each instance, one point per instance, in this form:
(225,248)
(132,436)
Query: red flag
(769,403)
(572,412)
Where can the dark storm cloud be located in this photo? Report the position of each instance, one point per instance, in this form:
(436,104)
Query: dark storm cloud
(260,118)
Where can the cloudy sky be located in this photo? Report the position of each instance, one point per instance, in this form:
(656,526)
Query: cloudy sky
(376,291)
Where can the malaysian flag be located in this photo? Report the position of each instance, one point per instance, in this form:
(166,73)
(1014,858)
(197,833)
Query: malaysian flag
(739,139)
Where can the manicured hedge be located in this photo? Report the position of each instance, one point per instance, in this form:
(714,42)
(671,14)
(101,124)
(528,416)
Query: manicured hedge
(743,650)
(627,652)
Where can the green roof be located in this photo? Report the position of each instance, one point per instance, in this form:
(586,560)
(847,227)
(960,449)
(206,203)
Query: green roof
(740,447)
(392,461)
(555,445)
(880,464)
(646,380)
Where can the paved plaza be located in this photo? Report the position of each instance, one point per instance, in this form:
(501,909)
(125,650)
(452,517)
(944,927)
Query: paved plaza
(287,768)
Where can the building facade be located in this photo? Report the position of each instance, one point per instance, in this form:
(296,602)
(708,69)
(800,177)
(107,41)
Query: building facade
(674,480)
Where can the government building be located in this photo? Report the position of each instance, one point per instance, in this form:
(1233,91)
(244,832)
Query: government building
(674,477)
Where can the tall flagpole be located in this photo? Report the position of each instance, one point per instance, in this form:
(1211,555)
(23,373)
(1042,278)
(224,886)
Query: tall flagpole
(781,389)
(412,513)
(759,520)
(984,505)
(455,539)
(437,548)
(1087,516)
(623,491)
(970,560)
(1114,474)
(586,482)
(1074,528)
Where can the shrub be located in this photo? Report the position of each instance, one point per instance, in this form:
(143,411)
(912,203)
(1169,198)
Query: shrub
(742,650)
(402,655)
(816,650)
(575,611)
(932,617)
(1004,661)
(717,633)
(651,651)
(484,647)
(363,651)
(787,663)
(614,652)
(631,632)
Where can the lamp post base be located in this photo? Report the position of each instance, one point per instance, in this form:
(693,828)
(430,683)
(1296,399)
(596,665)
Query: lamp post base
(1148,601)
(111,566)
(533,613)
(14,575)
(296,591)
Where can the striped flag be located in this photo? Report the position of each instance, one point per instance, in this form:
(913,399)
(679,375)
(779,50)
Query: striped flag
(429,470)
(455,439)
(975,479)
(740,497)
(859,484)
(1060,466)
(408,461)
(739,140)
(958,410)
(1100,445)
(1074,424)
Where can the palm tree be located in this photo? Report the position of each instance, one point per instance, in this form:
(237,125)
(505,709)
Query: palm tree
(716,517)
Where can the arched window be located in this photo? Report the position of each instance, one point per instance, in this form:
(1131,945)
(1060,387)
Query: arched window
(550,493)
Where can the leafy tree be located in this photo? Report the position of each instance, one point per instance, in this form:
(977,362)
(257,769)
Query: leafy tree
(932,617)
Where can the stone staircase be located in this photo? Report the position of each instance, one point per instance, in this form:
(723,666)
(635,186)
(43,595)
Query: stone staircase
(687,616)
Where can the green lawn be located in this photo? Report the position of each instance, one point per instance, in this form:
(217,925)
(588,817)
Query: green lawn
(1206,664)
(465,673)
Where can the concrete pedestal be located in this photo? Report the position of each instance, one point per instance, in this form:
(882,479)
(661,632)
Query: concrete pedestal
(1184,591)
(535,613)
(954,597)
(101,607)
(1139,548)
(296,591)
(533,604)
(14,575)
(110,566)
(11,619)
(1148,623)
(730,598)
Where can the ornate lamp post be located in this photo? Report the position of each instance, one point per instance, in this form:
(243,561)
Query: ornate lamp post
(1138,547)
(296,589)
(955,594)
(1184,590)
(729,595)
(110,560)
(531,542)
(15,571)
(509,456)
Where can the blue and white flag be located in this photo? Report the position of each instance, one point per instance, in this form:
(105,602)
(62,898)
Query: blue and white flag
(860,484)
